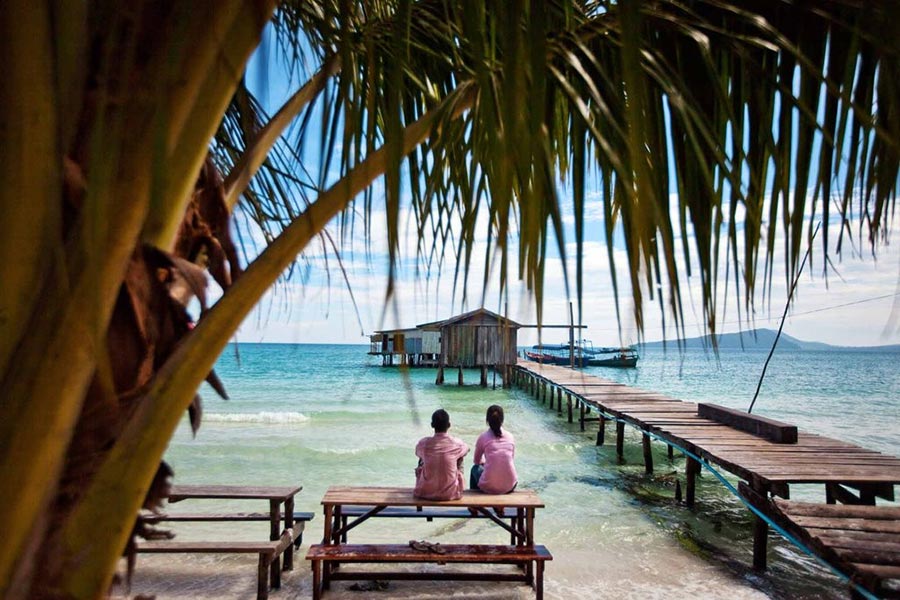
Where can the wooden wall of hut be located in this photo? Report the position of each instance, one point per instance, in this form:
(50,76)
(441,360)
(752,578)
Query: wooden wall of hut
(471,346)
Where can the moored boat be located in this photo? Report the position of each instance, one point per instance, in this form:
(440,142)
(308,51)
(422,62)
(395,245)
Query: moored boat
(585,355)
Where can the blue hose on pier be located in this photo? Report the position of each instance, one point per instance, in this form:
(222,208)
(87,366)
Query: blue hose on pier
(859,589)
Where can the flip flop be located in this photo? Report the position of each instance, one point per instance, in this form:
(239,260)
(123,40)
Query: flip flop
(425,546)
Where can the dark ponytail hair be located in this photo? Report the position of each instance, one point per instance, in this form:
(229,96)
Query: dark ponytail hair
(495,419)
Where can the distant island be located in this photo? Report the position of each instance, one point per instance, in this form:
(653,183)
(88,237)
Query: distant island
(762,339)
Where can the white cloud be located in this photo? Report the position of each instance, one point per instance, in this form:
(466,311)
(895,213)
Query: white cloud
(852,309)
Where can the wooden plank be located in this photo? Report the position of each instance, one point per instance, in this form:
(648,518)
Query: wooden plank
(879,571)
(231,492)
(220,517)
(346,495)
(855,472)
(773,449)
(770,429)
(852,524)
(847,543)
(811,509)
(862,461)
(223,547)
(405,553)
(843,478)
(846,534)
(870,556)
(787,452)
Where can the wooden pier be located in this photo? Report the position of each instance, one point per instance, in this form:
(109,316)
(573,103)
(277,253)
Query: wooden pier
(768,456)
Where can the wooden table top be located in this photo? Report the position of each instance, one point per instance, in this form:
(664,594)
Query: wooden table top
(232,492)
(396,496)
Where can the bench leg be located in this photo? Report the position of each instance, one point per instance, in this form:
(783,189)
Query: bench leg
(262,580)
(539,579)
(317,579)
(274,535)
(288,562)
(275,568)
(326,574)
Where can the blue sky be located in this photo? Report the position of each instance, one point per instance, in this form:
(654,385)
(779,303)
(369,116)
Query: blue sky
(854,305)
(858,303)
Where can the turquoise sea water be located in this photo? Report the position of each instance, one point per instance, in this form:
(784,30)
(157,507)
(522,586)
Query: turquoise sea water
(320,415)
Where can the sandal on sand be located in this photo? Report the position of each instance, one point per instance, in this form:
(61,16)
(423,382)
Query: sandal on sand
(423,546)
(369,586)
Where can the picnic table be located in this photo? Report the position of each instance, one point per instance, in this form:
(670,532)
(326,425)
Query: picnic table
(285,527)
(277,497)
(341,504)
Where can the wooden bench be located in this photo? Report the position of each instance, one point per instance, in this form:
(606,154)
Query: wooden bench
(300,519)
(768,429)
(325,557)
(267,551)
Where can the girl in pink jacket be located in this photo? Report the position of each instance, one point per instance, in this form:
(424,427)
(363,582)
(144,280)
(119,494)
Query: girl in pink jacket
(494,471)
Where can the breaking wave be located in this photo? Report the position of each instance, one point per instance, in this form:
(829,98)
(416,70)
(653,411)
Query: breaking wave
(259,417)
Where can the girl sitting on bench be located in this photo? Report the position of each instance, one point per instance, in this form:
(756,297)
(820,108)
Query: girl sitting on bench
(494,471)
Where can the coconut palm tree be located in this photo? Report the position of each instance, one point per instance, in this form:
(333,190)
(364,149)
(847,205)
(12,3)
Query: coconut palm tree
(714,123)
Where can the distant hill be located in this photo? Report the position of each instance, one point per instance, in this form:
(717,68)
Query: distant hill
(762,339)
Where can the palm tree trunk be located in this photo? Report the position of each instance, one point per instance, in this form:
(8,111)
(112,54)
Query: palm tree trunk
(78,278)
(97,530)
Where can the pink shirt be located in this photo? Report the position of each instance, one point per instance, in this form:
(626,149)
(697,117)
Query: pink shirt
(497,454)
(440,475)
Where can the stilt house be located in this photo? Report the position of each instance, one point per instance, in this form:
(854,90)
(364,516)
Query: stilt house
(411,347)
(476,339)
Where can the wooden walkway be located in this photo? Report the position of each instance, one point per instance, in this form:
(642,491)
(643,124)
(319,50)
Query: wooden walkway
(849,474)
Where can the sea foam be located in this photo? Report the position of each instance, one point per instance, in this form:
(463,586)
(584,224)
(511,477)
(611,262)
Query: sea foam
(258,417)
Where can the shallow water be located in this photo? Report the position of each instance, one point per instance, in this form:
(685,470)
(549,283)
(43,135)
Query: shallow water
(328,415)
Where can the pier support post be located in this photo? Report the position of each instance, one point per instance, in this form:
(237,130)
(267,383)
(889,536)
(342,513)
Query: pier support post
(620,439)
(760,538)
(483,376)
(460,377)
(559,401)
(690,471)
(601,433)
(671,451)
(440,376)
(543,392)
(581,414)
(648,455)
(569,405)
